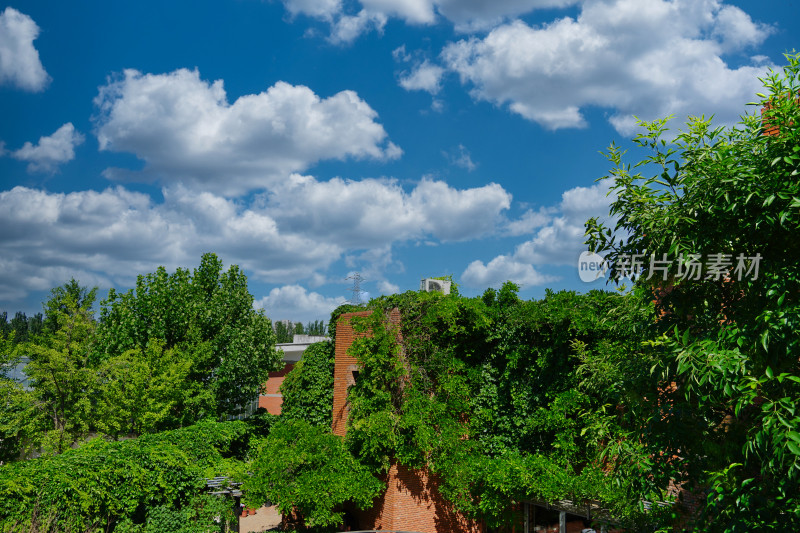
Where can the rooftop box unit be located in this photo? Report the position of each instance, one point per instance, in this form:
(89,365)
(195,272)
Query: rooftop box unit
(435,285)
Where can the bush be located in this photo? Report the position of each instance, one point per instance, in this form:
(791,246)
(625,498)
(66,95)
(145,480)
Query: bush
(308,388)
(102,483)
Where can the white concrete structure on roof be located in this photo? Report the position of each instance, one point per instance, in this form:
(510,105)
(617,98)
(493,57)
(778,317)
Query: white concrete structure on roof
(293,351)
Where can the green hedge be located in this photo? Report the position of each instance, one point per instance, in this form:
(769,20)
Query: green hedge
(101,483)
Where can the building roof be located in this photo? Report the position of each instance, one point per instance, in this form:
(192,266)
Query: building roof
(293,351)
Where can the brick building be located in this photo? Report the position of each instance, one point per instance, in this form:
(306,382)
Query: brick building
(412,501)
(272,398)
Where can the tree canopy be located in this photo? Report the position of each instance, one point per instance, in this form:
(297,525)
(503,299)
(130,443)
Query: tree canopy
(176,349)
(726,200)
(205,318)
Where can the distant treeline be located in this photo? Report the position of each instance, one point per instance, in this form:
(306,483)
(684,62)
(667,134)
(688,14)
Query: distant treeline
(286,329)
(22,326)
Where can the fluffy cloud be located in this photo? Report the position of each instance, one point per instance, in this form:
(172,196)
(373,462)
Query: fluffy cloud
(467,15)
(385,287)
(186,131)
(424,77)
(558,236)
(372,212)
(647,58)
(470,15)
(560,241)
(294,233)
(19,60)
(530,221)
(347,28)
(293,302)
(114,234)
(51,151)
(501,269)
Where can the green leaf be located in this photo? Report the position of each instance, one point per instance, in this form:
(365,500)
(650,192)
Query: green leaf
(794,448)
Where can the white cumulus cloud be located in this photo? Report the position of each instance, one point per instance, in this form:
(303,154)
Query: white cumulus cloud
(423,77)
(372,212)
(185,130)
(19,60)
(348,22)
(289,235)
(386,287)
(347,28)
(52,151)
(501,269)
(115,234)
(296,303)
(648,58)
(558,237)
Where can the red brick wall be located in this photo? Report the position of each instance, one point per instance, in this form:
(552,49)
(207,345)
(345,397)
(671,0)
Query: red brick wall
(412,501)
(343,369)
(271,399)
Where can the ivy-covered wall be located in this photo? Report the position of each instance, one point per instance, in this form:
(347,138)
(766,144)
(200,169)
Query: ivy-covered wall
(499,400)
(502,399)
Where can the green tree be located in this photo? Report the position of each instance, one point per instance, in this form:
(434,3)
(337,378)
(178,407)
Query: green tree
(307,469)
(205,317)
(730,371)
(308,389)
(283,333)
(12,402)
(315,328)
(19,324)
(23,327)
(62,299)
(141,392)
(61,378)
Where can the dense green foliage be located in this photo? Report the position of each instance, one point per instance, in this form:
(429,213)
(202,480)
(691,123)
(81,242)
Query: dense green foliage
(504,399)
(11,407)
(201,514)
(101,483)
(308,389)
(179,348)
(58,408)
(729,343)
(207,319)
(305,469)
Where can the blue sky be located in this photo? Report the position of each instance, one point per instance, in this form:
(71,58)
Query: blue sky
(307,139)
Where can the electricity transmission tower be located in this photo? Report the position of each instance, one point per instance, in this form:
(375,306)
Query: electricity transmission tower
(356,290)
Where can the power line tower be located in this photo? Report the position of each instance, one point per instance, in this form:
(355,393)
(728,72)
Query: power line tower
(356,290)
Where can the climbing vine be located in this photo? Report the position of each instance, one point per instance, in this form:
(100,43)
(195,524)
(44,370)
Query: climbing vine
(503,399)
